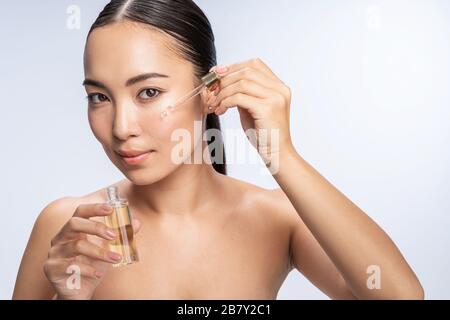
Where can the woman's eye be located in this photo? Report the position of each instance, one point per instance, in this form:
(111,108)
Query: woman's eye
(97,98)
(148,93)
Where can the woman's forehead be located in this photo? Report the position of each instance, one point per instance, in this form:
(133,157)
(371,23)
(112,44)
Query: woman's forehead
(131,48)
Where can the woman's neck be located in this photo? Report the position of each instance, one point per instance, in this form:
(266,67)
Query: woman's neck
(184,191)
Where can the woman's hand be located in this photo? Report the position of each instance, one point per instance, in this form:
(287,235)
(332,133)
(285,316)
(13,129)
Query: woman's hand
(72,250)
(263,102)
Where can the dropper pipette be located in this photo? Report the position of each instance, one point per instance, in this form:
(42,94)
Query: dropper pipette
(210,81)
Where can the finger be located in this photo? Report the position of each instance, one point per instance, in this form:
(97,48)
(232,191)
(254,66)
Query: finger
(272,81)
(80,225)
(249,74)
(250,103)
(86,248)
(245,86)
(261,65)
(89,210)
(255,63)
(58,268)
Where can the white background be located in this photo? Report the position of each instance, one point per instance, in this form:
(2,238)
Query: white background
(370,111)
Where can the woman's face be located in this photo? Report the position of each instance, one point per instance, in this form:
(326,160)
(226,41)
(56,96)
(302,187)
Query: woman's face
(125,100)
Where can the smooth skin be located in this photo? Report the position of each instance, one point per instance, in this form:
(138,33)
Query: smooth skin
(200,234)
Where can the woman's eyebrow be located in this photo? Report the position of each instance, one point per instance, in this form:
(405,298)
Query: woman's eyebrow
(94,83)
(131,81)
(143,77)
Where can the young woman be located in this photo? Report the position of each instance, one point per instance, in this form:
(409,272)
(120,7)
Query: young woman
(200,234)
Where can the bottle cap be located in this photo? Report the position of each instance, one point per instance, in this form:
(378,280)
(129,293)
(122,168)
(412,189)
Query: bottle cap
(211,80)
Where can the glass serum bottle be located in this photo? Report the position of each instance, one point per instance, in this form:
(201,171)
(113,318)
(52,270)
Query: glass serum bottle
(120,221)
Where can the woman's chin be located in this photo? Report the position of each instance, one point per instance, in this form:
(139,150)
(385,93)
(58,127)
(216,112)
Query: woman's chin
(143,177)
(146,175)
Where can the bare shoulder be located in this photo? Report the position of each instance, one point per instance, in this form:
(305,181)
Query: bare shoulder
(31,282)
(272,204)
(268,212)
(56,213)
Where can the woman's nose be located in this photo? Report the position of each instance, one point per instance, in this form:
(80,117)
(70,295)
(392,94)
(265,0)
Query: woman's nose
(125,122)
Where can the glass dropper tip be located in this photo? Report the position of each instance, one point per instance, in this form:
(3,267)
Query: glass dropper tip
(209,81)
(113,193)
(166,111)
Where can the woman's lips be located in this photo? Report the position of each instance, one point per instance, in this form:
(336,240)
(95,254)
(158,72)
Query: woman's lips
(136,159)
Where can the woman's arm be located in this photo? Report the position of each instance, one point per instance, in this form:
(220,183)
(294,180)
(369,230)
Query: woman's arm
(353,241)
(31,282)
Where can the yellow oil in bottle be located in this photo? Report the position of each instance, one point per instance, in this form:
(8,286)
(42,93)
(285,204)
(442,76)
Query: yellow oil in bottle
(120,221)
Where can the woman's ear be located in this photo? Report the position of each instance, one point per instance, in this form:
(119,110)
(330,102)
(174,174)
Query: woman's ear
(206,95)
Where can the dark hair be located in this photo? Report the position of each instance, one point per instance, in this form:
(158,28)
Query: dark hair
(184,21)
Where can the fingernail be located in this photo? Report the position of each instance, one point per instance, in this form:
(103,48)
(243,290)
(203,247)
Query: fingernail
(114,256)
(107,208)
(98,274)
(110,233)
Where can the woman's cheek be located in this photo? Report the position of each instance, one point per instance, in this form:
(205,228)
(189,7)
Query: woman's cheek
(99,127)
(175,129)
